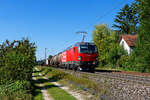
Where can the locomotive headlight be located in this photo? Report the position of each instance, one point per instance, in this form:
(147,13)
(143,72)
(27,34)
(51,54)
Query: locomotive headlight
(97,58)
(94,62)
(79,58)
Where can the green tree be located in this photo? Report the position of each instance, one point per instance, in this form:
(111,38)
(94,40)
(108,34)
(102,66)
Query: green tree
(108,48)
(143,45)
(50,56)
(127,20)
(100,37)
(114,55)
(17,59)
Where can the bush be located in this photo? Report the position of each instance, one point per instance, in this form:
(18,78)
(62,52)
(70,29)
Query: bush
(16,90)
(131,63)
(17,60)
(114,55)
(18,64)
(123,61)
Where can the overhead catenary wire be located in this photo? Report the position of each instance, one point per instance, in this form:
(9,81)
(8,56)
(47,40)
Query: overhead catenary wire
(99,18)
(110,11)
(89,26)
(64,45)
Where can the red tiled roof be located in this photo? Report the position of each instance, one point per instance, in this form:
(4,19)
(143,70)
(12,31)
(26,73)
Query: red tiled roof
(130,39)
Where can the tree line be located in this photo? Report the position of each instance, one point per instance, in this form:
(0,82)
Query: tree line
(132,19)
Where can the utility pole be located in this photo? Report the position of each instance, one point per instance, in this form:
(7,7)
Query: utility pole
(45,55)
(83,33)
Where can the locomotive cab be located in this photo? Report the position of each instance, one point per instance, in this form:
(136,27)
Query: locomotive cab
(87,56)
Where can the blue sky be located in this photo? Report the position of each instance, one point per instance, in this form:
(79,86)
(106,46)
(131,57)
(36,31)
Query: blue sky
(53,24)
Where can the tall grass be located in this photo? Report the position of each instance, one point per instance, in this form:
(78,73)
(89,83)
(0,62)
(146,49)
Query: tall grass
(82,82)
(17,90)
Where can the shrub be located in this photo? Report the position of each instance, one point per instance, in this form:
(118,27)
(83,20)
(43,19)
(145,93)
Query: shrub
(15,90)
(114,55)
(123,61)
(17,60)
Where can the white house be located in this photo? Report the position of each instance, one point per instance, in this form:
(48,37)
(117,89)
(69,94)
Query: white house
(128,42)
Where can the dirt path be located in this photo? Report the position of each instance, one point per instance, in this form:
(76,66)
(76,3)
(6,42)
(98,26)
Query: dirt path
(78,96)
(46,95)
(75,94)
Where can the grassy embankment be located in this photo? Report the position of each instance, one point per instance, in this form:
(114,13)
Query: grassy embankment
(55,92)
(82,83)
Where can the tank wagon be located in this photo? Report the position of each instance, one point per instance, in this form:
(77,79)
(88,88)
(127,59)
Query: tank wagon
(56,60)
(81,56)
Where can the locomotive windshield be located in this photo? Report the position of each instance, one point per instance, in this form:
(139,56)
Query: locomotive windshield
(88,49)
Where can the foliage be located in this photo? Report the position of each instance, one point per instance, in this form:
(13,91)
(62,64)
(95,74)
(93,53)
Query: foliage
(127,62)
(101,39)
(15,90)
(131,19)
(143,45)
(115,54)
(14,86)
(50,56)
(127,19)
(108,49)
(41,62)
(17,59)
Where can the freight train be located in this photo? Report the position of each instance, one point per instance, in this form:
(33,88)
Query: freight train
(80,56)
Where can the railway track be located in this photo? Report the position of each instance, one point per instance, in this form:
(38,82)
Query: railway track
(119,85)
(125,77)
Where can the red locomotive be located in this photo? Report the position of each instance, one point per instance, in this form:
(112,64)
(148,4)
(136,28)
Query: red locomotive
(81,56)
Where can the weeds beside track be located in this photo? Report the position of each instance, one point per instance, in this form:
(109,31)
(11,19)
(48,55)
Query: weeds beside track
(125,86)
(119,76)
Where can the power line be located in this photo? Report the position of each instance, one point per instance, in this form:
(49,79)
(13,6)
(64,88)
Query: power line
(101,17)
(109,12)
(64,44)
